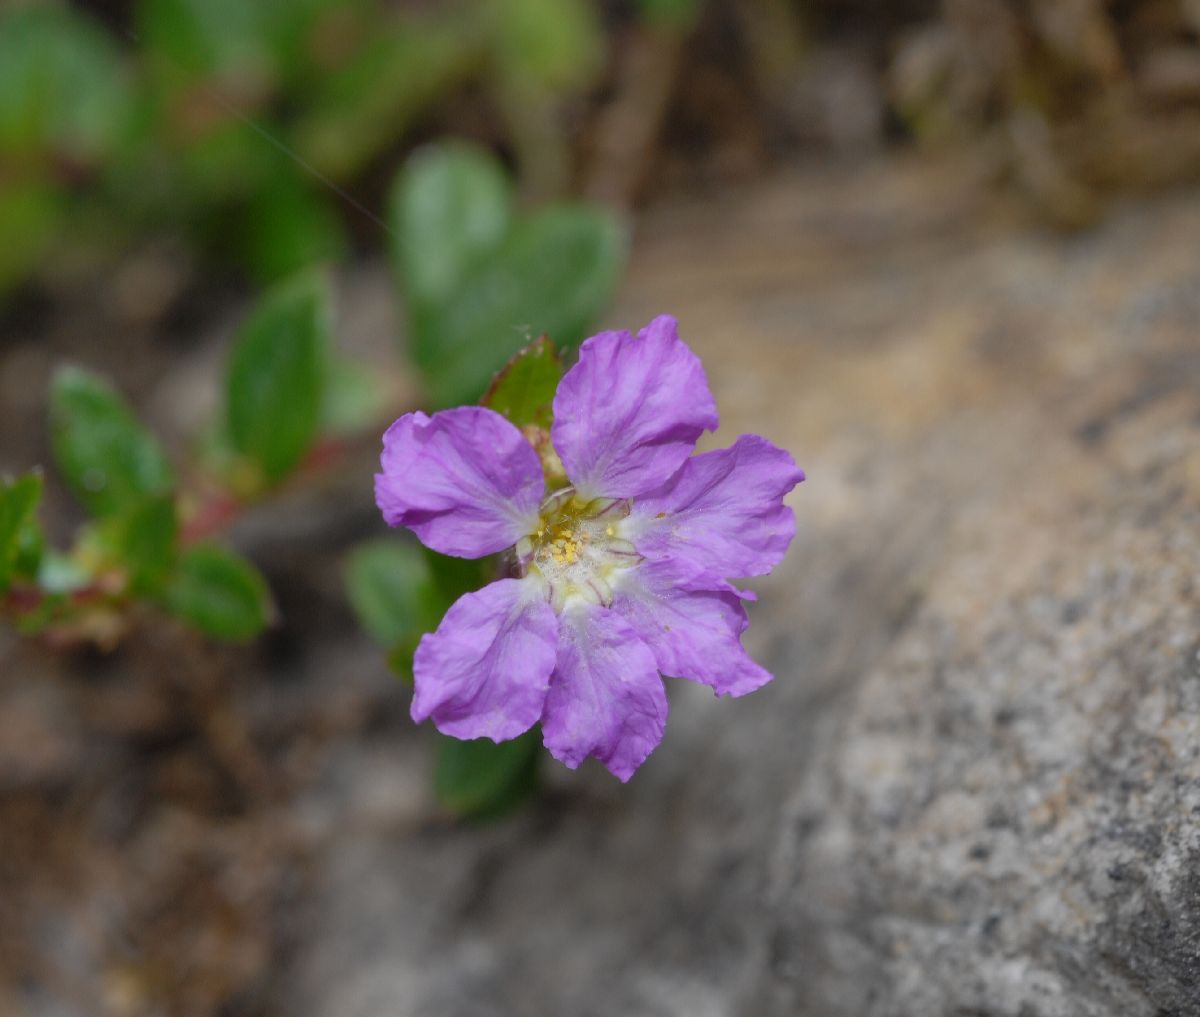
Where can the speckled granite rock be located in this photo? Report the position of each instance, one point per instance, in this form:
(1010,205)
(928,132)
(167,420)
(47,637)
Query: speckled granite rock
(974,788)
(1005,818)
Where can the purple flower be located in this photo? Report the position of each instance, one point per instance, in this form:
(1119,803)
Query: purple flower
(617,579)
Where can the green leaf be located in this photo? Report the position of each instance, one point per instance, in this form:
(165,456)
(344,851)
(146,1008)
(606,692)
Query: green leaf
(108,459)
(553,276)
(482,778)
(360,110)
(478,287)
(18,499)
(524,389)
(219,592)
(275,382)
(451,208)
(392,592)
(143,541)
(63,91)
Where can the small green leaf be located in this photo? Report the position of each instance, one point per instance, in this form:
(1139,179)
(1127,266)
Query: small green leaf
(18,499)
(392,591)
(451,208)
(554,275)
(275,383)
(143,541)
(219,592)
(481,778)
(524,389)
(108,459)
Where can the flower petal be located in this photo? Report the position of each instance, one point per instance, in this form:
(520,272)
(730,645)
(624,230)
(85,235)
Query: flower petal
(606,698)
(465,481)
(485,671)
(723,511)
(629,412)
(693,628)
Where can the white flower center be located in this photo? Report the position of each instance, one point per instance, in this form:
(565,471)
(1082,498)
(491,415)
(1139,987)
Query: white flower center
(578,547)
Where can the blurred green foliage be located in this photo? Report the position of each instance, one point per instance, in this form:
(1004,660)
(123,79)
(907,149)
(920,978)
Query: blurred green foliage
(542,46)
(451,207)
(65,107)
(276,377)
(672,13)
(105,455)
(63,90)
(142,541)
(145,540)
(233,124)
(481,279)
(131,548)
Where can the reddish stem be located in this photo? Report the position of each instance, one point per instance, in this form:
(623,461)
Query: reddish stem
(213,516)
